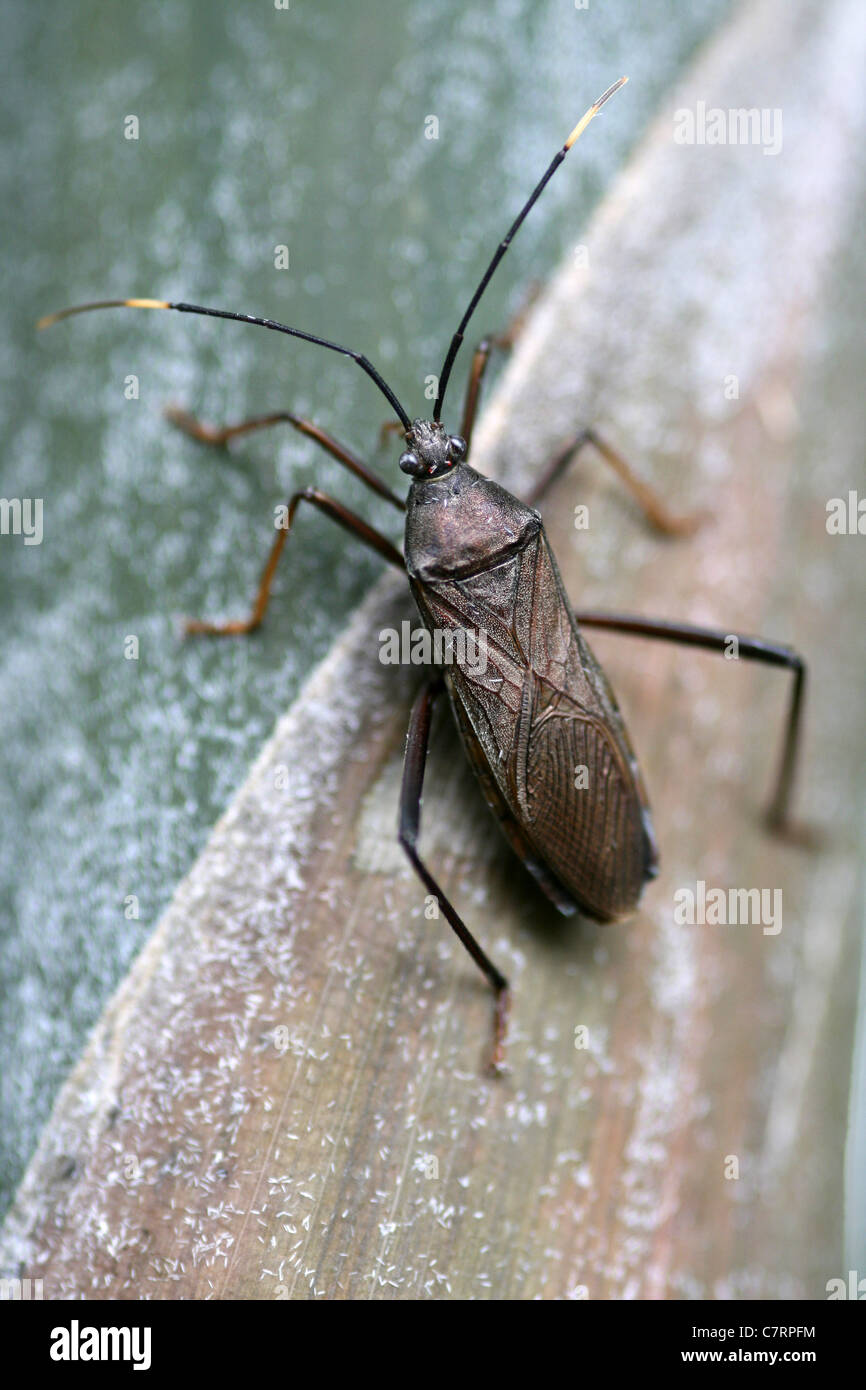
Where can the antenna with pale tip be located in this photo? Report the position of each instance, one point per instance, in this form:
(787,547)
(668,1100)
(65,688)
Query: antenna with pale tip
(47,321)
(503,246)
(593,111)
(364,363)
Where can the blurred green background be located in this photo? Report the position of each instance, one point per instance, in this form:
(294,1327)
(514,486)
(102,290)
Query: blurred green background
(258,127)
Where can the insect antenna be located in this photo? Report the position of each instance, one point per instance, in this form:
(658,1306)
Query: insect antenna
(358,357)
(506,241)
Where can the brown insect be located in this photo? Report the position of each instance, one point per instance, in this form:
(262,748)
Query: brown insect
(538,719)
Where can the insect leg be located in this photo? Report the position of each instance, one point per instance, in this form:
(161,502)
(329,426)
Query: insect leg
(648,500)
(389,427)
(481,359)
(417,746)
(209,435)
(752,649)
(337,512)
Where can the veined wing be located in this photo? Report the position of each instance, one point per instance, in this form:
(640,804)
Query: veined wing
(548,729)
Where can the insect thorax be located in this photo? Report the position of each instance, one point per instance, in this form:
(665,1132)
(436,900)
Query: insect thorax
(462,522)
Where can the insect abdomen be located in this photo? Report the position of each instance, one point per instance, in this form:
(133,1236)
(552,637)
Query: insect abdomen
(541,723)
(579,803)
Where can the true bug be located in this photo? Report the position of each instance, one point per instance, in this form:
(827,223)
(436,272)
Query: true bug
(479,559)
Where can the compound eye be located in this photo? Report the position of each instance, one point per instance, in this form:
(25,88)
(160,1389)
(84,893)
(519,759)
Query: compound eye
(410,463)
(457,447)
